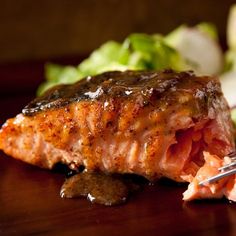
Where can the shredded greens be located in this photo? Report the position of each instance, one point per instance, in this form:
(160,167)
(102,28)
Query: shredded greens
(137,52)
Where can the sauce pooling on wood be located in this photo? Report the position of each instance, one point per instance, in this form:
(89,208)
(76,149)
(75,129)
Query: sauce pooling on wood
(99,187)
(128,85)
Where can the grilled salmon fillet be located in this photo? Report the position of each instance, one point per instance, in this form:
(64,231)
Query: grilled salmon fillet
(152,124)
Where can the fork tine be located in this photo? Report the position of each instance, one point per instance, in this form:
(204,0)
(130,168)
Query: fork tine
(226,170)
(217,177)
(225,167)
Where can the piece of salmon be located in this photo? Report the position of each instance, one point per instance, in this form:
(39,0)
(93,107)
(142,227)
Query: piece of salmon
(152,124)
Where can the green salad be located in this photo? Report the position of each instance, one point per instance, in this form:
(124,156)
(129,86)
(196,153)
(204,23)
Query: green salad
(137,52)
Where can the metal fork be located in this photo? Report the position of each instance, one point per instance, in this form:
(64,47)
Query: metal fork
(226,170)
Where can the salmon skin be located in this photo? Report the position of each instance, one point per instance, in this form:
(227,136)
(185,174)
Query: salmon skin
(152,124)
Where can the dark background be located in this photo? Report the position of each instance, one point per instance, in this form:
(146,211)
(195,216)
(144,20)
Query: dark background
(56,28)
(33,32)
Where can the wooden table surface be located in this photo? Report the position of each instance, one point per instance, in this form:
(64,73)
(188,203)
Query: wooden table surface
(30,203)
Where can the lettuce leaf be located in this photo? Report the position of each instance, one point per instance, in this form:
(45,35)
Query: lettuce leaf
(137,52)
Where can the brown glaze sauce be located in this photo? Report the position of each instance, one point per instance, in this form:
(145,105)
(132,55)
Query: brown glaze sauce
(128,85)
(100,188)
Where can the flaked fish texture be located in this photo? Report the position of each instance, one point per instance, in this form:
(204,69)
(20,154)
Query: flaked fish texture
(152,124)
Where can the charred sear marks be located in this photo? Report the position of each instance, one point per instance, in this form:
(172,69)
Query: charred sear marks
(149,87)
